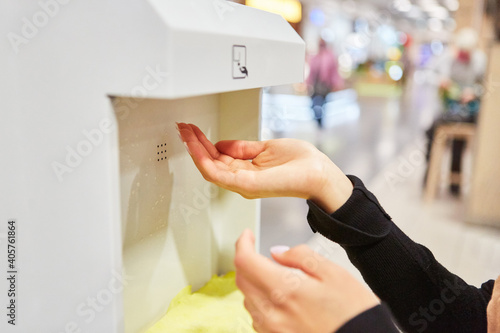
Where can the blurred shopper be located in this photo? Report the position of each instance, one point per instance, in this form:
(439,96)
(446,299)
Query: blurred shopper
(461,74)
(322,297)
(323,78)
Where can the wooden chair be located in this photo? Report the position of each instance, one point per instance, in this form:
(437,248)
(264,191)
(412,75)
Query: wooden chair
(444,134)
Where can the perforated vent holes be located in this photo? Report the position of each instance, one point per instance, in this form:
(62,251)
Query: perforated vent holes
(161,152)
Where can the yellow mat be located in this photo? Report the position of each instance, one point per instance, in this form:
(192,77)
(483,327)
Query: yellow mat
(217,307)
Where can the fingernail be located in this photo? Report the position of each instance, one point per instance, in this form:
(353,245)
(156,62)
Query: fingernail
(279,249)
(187,148)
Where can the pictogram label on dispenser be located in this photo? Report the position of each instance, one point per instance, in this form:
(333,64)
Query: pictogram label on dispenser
(240,70)
(12,272)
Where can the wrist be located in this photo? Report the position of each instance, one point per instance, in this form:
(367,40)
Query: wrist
(333,189)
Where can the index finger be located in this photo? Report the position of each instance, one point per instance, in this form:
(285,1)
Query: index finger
(202,158)
(193,143)
(204,141)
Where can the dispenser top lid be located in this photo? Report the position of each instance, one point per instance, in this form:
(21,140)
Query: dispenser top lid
(212,46)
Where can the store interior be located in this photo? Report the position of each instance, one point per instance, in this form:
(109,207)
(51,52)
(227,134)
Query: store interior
(389,56)
(107,221)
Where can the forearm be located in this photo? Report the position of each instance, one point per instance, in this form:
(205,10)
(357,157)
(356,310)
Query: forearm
(422,294)
(375,320)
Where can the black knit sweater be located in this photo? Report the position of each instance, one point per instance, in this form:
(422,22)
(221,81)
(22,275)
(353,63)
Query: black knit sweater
(422,295)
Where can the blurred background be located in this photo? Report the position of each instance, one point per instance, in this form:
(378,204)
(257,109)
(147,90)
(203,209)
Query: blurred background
(381,76)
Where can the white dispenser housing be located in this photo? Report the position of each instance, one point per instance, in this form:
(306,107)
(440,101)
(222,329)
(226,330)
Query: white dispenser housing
(112,218)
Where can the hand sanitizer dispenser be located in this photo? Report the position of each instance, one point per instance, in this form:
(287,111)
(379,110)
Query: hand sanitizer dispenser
(106,216)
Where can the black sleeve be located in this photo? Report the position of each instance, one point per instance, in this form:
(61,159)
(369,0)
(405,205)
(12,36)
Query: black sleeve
(423,295)
(375,320)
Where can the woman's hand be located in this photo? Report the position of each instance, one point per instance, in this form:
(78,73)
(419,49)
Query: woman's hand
(317,296)
(274,168)
(493,310)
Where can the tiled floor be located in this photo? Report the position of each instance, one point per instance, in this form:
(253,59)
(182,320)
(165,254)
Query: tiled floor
(383,140)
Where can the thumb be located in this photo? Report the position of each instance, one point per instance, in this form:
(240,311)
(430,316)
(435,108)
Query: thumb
(301,257)
(243,150)
(246,243)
